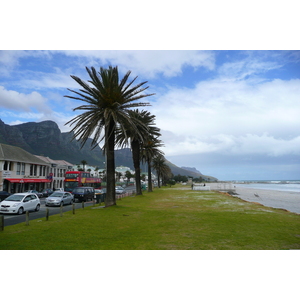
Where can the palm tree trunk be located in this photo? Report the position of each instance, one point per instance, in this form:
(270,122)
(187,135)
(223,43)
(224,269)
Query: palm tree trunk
(110,198)
(135,147)
(149,177)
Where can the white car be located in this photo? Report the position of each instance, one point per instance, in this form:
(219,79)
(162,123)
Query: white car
(120,190)
(59,198)
(20,202)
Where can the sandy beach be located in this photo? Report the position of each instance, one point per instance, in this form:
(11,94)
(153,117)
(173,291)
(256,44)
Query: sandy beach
(270,198)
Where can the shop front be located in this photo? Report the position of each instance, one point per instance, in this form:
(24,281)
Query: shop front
(19,185)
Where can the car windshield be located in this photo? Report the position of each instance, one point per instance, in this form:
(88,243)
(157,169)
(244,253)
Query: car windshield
(15,198)
(79,190)
(55,194)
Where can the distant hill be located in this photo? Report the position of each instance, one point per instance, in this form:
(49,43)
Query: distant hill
(185,172)
(192,170)
(45,138)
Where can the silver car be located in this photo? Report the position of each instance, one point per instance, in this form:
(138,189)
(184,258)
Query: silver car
(59,198)
(120,190)
(20,202)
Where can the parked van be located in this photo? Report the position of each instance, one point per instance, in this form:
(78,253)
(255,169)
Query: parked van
(83,193)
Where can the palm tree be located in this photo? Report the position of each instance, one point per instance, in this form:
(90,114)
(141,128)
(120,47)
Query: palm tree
(144,122)
(149,150)
(162,169)
(83,162)
(108,102)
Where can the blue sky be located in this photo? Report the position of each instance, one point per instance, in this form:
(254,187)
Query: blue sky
(230,114)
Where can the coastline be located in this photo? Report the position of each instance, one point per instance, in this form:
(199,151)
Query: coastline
(270,198)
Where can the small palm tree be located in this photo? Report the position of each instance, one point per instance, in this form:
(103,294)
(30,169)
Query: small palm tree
(149,150)
(144,122)
(108,102)
(84,163)
(162,169)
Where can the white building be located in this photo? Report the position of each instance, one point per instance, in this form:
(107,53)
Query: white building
(57,171)
(21,171)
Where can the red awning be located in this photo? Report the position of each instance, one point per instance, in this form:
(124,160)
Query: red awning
(25,180)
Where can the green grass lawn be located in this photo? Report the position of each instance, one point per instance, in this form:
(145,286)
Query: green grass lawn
(174,218)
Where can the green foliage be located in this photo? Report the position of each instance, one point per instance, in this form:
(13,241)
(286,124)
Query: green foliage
(180,178)
(171,182)
(198,179)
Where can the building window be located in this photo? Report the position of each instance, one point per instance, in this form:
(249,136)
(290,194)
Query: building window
(41,170)
(33,170)
(18,168)
(7,166)
(23,169)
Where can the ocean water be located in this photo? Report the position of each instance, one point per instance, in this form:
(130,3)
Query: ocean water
(280,185)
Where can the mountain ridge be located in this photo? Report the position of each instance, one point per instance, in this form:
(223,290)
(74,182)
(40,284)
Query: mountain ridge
(45,138)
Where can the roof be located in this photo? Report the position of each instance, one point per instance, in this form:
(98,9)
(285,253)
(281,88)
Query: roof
(13,153)
(52,161)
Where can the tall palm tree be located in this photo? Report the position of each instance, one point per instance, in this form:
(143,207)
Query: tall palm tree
(108,102)
(161,168)
(144,122)
(149,150)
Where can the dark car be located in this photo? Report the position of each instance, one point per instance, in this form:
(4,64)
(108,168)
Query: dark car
(40,195)
(3,195)
(47,192)
(83,193)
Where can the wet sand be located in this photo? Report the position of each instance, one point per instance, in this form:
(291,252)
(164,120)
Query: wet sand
(270,198)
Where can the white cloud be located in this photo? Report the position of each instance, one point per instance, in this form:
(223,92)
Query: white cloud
(241,69)
(231,117)
(22,102)
(150,63)
(9,60)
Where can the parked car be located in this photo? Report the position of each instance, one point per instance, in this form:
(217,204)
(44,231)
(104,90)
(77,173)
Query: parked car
(59,198)
(83,193)
(40,195)
(120,190)
(3,195)
(47,192)
(20,202)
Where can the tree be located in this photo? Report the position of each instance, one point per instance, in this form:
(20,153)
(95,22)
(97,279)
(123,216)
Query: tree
(162,169)
(118,175)
(180,178)
(144,122)
(128,175)
(108,102)
(84,163)
(149,150)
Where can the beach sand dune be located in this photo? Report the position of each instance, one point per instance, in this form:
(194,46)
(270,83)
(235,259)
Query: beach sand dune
(285,200)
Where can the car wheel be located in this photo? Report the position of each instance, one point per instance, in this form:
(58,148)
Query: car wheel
(37,208)
(62,203)
(71,202)
(20,211)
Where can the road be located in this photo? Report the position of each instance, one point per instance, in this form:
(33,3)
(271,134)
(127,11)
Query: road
(10,219)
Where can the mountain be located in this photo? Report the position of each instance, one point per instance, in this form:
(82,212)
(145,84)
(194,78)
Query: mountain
(192,170)
(45,138)
(186,172)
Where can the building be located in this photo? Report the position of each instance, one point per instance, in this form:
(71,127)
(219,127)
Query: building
(57,171)
(21,171)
